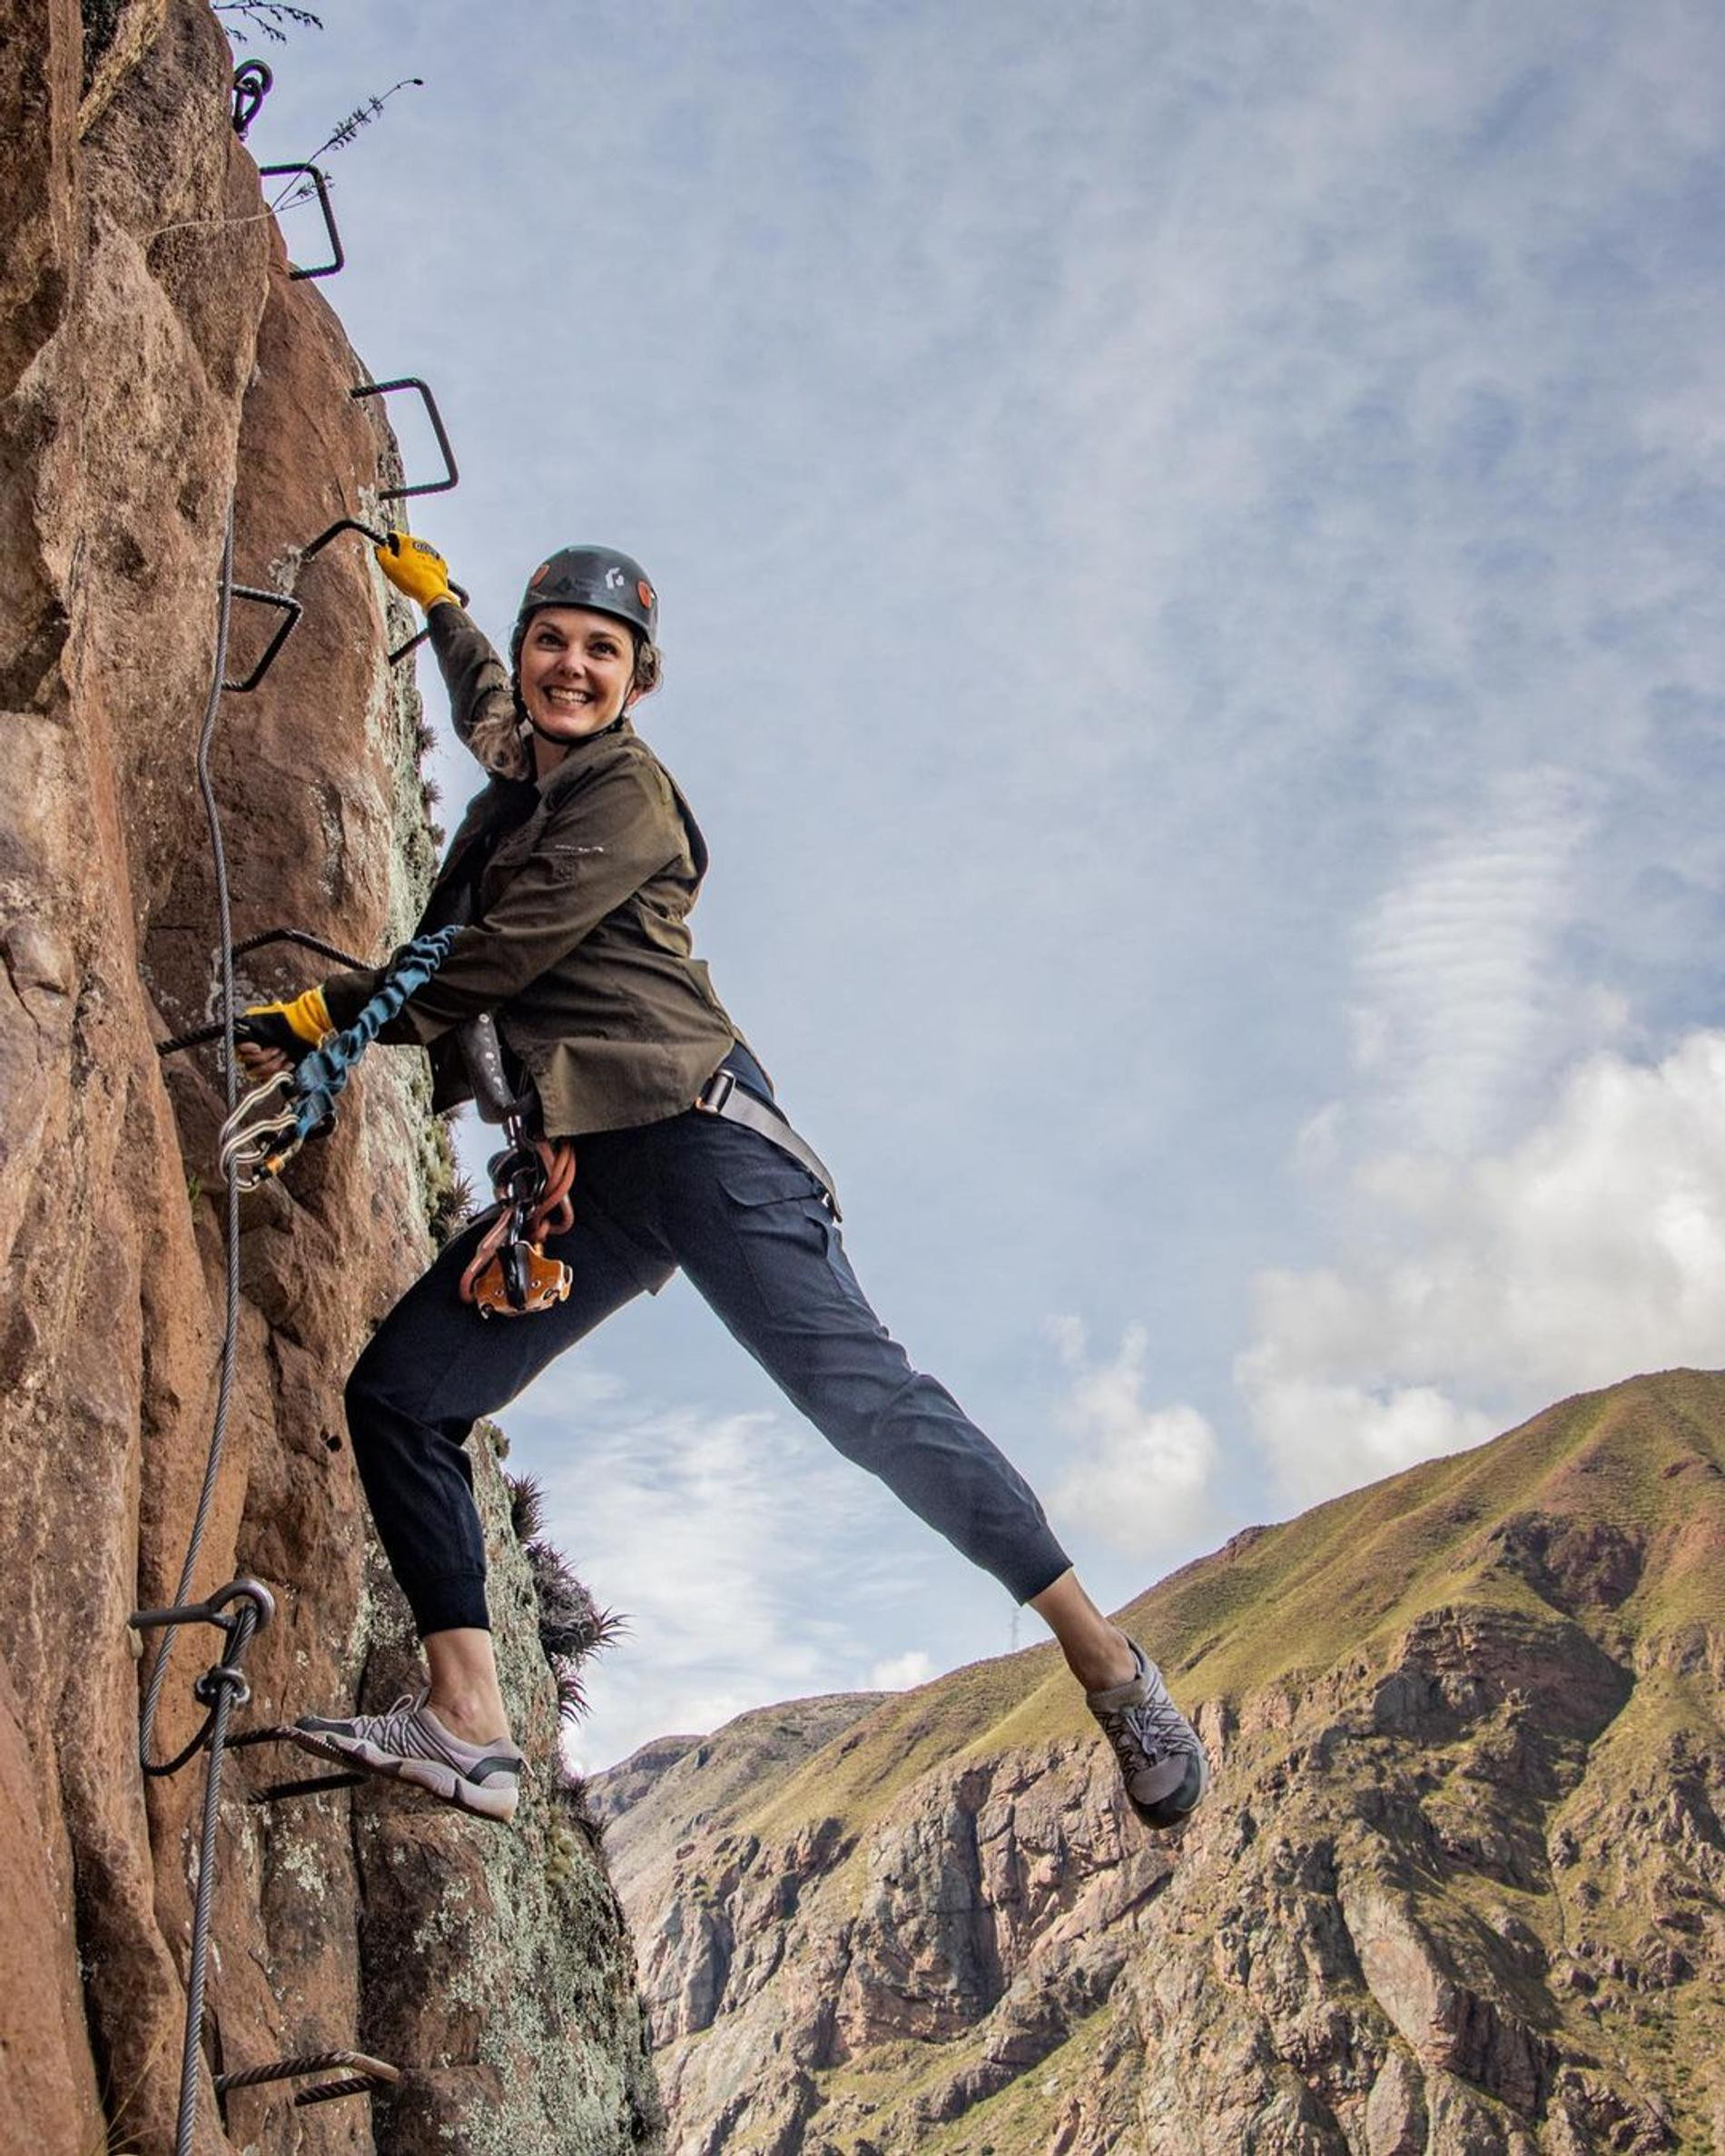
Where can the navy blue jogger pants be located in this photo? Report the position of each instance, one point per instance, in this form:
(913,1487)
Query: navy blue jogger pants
(748,1225)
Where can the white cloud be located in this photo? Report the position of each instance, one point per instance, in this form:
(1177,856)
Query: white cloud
(1458,993)
(719,1538)
(1323,1439)
(901,1673)
(1138,1477)
(1592,1248)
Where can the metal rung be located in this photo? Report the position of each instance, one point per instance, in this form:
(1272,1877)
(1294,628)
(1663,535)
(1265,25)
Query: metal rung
(451,476)
(327,2092)
(200,1036)
(370,2074)
(291,611)
(278,1791)
(351,524)
(328,269)
(313,547)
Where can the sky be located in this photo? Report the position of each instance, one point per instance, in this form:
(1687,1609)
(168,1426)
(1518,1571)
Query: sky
(1187,551)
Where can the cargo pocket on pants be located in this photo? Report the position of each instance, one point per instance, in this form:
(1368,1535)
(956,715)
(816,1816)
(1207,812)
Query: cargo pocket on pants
(780,1222)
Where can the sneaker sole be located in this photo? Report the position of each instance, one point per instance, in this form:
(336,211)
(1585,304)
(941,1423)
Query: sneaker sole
(1174,1814)
(442,1782)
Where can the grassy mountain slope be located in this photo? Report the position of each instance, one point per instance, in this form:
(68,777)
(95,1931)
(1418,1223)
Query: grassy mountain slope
(1459,1886)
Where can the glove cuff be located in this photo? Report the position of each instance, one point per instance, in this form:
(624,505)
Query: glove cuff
(308,1015)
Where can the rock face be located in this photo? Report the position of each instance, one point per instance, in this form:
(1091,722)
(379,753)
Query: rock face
(156,360)
(1459,1889)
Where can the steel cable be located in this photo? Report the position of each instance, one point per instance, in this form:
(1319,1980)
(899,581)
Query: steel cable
(226,1682)
(231,1327)
(216,1726)
(224,1686)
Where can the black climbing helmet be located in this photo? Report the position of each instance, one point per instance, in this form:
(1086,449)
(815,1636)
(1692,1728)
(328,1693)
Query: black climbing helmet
(598,578)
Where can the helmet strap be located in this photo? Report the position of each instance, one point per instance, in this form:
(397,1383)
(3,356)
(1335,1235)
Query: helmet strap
(563,741)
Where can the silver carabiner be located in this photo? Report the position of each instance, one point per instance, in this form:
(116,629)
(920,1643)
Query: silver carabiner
(249,1152)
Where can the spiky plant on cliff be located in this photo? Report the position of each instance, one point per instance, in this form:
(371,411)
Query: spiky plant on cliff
(572,1626)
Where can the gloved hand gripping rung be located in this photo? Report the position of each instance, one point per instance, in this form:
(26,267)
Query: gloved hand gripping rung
(351,524)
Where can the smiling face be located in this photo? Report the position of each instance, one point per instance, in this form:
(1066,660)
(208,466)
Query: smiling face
(577,672)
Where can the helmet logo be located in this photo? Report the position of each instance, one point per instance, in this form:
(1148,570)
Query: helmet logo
(539,576)
(644,592)
(614,578)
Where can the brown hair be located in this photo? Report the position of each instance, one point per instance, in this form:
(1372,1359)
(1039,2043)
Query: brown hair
(649,665)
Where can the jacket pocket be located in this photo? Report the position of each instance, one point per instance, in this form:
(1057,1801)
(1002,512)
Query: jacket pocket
(567,863)
(513,850)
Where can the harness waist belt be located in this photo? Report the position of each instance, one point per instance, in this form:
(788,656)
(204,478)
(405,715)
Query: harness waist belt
(723,1096)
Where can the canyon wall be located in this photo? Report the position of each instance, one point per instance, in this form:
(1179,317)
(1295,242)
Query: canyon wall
(1459,1889)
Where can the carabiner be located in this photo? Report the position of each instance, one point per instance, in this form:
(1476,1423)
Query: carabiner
(247,1151)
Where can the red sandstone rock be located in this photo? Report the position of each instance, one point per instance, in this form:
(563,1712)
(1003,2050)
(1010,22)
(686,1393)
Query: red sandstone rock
(151,350)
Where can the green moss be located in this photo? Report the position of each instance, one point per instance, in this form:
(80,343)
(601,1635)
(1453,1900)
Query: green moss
(538,1968)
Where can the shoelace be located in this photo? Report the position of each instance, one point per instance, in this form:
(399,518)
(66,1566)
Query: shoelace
(391,1731)
(399,1730)
(1155,1726)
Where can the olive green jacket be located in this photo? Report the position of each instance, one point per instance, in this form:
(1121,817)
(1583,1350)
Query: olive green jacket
(576,890)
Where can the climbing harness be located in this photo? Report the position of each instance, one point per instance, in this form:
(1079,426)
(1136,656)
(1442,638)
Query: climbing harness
(509,1274)
(724,1095)
(267,1127)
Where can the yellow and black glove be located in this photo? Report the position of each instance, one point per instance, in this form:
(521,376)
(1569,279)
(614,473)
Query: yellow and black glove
(292,1030)
(416,569)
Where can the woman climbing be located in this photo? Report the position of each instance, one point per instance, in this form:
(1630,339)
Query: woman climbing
(573,874)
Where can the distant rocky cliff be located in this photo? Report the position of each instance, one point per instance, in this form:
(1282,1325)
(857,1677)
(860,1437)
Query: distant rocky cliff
(154,354)
(1460,1888)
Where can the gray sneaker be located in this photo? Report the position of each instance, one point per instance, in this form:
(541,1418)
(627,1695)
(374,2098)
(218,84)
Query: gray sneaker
(1161,1759)
(411,1744)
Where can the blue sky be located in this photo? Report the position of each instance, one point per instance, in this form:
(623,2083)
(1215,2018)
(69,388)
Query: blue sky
(1187,548)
